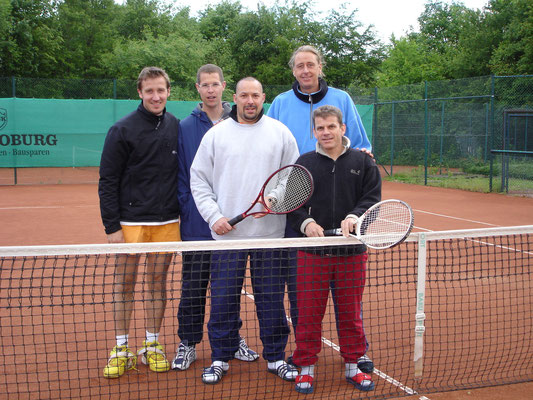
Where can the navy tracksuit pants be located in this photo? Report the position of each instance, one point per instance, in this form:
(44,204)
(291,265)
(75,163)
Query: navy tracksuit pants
(267,270)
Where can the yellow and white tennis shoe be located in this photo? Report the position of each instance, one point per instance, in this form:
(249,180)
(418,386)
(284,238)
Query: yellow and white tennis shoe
(121,359)
(154,356)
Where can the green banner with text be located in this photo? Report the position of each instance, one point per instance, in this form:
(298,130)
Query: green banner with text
(71,133)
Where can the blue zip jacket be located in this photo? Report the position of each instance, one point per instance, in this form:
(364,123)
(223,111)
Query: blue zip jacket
(192,130)
(295,110)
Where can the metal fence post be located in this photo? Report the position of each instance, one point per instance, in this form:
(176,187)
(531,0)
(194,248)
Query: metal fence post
(491,130)
(426,132)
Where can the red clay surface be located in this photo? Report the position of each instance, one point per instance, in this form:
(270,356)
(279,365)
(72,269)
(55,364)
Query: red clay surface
(69,214)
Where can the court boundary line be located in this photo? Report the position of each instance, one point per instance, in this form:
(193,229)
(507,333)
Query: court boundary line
(456,218)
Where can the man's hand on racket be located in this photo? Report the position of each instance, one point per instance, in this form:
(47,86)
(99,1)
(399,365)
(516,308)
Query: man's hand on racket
(348,225)
(221,226)
(312,229)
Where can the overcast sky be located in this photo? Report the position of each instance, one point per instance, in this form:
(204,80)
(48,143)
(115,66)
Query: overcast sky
(387,16)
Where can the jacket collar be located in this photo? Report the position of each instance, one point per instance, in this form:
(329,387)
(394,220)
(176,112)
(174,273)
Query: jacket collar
(199,112)
(233,114)
(150,116)
(313,97)
(345,142)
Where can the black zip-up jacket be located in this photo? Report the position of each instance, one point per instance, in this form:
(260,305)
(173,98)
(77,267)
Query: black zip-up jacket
(139,170)
(349,185)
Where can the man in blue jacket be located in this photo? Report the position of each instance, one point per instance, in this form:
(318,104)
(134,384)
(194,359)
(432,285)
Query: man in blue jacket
(196,266)
(295,109)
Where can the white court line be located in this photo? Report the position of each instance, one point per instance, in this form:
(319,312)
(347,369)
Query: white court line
(42,207)
(457,218)
(336,347)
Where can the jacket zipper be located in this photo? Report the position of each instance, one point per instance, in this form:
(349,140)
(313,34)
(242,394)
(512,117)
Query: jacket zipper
(333,194)
(311,116)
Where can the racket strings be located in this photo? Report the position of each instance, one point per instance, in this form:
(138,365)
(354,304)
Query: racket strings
(386,225)
(288,190)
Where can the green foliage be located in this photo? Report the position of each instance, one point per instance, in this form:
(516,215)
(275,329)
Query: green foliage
(88,25)
(514,52)
(408,62)
(91,38)
(351,56)
(31,42)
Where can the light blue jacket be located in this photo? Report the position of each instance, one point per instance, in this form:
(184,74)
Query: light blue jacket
(295,109)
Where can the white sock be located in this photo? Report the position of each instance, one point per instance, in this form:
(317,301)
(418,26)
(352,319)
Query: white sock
(352,370)
(122,340)
(308,370)
(152,337)
(275,364)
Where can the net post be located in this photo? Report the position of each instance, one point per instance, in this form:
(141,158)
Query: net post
(420,316)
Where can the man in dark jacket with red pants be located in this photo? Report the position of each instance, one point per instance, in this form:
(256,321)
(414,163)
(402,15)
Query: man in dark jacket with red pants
(347,183)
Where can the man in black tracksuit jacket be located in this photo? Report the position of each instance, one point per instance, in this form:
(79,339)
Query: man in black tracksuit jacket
(139,203)
(346,183)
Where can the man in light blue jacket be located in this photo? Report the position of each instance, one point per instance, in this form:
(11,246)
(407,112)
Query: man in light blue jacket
(295,109)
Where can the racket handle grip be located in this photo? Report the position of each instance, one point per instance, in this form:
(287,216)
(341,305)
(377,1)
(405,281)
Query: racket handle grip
(332,232)
(236,220)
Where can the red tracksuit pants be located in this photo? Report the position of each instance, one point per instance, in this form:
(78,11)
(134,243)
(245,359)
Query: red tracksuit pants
(346,278)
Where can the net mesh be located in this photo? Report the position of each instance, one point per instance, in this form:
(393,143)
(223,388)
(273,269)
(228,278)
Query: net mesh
(57,302)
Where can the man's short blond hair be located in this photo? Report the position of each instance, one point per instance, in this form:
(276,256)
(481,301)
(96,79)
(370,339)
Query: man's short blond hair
(151,73)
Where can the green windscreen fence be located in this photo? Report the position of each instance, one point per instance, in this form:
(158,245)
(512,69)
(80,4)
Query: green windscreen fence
(71,133)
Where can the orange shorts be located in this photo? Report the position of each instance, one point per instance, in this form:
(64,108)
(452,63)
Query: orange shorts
(151,233)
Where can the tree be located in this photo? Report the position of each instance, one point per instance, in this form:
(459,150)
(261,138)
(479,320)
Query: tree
(408,62)
(514,20)
(180,53)
(89,32)
(136,17)
(31,41)
(351,56)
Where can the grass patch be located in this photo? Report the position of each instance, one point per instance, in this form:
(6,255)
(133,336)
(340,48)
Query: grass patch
(446,178)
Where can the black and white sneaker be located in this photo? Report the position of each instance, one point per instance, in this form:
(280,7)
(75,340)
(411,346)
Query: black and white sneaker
(283,370)
(185,356)
(245,353)
(215,372)
(365,364)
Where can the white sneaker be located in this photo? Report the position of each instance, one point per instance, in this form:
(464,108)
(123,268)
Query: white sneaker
(185,356)
(245,353)
(215,372)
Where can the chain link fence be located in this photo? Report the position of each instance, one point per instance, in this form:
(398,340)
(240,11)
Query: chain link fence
(474,133)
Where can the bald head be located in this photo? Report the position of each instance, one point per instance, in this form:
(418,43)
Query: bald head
(248,79)
(249,98)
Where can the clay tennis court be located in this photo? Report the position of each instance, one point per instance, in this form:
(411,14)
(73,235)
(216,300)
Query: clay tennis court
(69,214)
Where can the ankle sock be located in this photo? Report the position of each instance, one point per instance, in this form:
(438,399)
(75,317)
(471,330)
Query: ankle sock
(152,337)
(122,340)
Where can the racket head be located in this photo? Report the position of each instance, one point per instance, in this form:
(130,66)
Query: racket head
(385,224)
(287,189)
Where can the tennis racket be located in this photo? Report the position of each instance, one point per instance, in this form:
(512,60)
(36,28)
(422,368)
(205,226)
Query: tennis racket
(284,191)
(383,225)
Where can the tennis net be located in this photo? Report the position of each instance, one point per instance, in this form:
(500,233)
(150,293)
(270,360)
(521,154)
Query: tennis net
(442,311)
